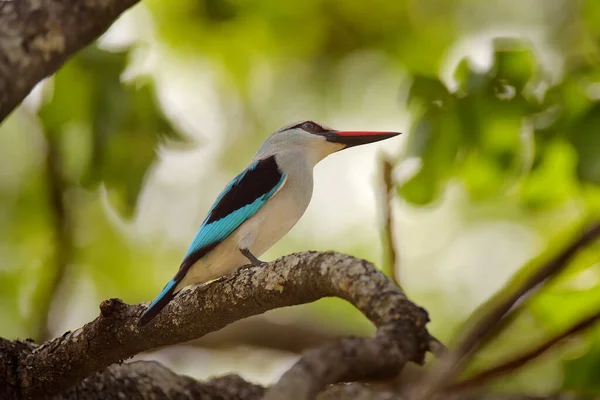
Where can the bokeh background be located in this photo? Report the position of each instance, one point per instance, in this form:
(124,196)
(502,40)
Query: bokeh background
(108,168)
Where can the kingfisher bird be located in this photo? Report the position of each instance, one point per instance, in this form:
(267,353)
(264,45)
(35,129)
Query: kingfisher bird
(260,205)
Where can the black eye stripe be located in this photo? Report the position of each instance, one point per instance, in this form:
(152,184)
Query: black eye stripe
(310,127)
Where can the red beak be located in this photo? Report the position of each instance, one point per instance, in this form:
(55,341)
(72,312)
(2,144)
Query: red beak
(357,138)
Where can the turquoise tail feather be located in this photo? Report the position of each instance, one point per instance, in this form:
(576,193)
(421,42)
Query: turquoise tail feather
(164,297)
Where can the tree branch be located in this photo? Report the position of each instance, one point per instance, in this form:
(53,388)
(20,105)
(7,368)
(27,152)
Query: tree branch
(514,363)
(295,279)
(61,224)
(384,355)
(150,379)
(492,321)
(37,37)
(270,333)
(389,247)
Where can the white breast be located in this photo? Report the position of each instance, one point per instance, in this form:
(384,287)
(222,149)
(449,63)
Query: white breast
(275,219)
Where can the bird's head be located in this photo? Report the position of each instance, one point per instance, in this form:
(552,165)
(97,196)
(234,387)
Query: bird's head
(318,140)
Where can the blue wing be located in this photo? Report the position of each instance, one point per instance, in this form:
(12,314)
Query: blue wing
(238,202)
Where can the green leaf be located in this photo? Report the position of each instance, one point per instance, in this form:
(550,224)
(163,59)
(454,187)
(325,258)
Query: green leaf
(470,81)
(109,129)
(486,149)
(435,139)
(552,182)
(585,136)
(426,90)
(514,63)
(581,374)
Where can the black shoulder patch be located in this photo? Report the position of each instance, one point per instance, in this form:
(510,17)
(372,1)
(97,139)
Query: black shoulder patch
(257,181)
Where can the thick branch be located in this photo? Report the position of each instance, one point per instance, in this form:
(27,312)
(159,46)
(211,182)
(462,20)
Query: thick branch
(10,355)
(149,379)
(294,279)
(356,358)
(37,37)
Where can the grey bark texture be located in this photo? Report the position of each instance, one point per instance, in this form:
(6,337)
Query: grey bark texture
(38,36)
(64,363)
(151,380)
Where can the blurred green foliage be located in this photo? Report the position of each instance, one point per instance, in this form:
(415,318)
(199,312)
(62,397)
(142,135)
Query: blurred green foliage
(100,120)
(520,133)
(494,131)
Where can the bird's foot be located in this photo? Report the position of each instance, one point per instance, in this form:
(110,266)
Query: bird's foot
(255,261)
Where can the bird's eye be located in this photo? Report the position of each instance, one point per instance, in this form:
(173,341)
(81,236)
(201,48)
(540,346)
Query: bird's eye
(310,127)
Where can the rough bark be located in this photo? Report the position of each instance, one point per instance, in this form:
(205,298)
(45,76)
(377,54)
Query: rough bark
(151,380)
(142,380)
(38,36)
(114,336)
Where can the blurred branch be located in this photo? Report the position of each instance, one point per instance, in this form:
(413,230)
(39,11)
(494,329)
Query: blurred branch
(62,229)
(37,37)
(295,279)
(390,256)
(149,379)
(510,365)
(382,356)
(491,322)
(294,337)
(437,348)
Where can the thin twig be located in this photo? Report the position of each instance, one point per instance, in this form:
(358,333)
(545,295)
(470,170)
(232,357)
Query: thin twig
(437,348)
(478,335)
(490,324)
(512,364)
(61,230)
(389,248)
